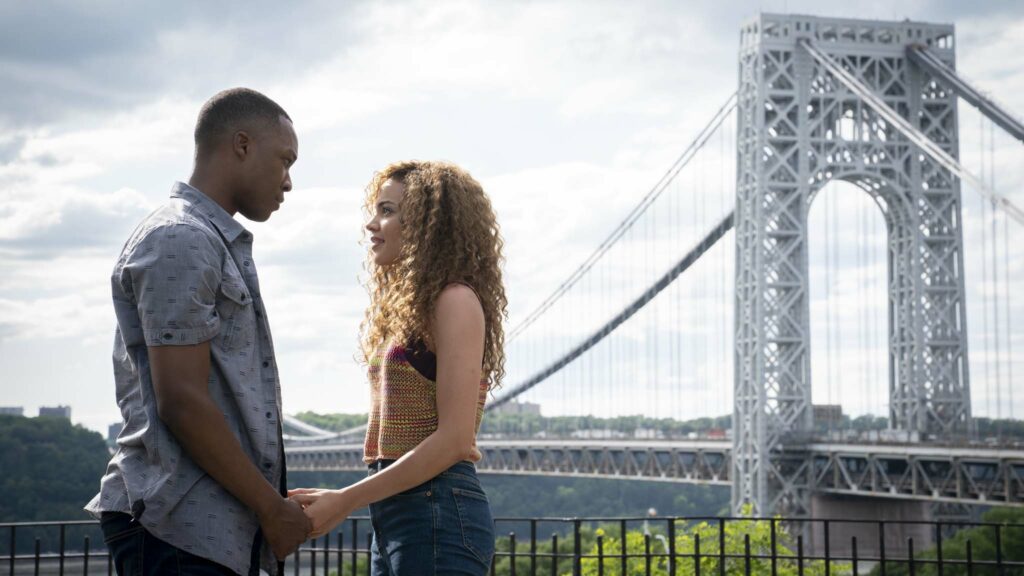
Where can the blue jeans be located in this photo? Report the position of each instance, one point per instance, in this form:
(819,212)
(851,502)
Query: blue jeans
(443,526)
(136,552)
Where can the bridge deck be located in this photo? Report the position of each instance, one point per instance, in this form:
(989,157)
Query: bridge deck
(971,475)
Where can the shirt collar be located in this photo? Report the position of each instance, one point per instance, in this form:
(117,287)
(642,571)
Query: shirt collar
(218,216)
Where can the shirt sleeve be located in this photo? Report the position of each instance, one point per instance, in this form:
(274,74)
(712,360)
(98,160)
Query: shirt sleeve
(174,273)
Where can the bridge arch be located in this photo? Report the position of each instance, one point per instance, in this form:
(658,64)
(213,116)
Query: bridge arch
(854,217)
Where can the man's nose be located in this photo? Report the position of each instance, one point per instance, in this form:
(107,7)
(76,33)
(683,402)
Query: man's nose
(287,187)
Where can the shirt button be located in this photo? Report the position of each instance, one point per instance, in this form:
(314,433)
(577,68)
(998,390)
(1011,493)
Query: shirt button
(269,414)
(267,465)
(266,364)
(246,263)
(168,336)
(243,297)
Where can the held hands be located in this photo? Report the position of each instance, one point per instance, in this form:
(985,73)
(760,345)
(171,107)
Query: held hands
(324,508)
(285,527)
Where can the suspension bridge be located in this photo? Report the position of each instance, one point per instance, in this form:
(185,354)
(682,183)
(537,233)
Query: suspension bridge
(708,296)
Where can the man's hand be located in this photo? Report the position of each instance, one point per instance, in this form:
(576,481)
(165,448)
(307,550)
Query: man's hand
(285,527)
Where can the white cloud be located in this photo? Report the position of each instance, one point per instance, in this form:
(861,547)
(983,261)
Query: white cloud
(567,113)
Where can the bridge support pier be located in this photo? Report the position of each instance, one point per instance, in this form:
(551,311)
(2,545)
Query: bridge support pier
(847,515)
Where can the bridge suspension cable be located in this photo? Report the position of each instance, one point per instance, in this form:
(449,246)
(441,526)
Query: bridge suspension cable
(695,146)
(908,130)
(924,58)
(712,237)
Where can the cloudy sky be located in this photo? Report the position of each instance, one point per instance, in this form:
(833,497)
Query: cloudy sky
(567,112)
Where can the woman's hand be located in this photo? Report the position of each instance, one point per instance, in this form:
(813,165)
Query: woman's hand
(325,508)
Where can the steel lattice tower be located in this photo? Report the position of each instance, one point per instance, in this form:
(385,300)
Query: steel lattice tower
(799,128)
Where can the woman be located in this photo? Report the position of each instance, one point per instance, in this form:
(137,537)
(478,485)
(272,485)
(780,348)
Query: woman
(433,339)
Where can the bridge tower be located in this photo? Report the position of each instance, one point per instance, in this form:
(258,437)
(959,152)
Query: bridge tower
(799,127)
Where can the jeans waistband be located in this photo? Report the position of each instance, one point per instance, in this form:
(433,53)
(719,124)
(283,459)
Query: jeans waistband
(378,465)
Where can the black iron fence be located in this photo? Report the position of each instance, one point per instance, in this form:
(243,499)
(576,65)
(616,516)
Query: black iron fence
(617,547)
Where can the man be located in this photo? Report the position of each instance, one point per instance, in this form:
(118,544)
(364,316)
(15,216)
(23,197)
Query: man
(196,484)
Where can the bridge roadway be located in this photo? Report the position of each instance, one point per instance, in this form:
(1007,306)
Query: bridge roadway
(966,475)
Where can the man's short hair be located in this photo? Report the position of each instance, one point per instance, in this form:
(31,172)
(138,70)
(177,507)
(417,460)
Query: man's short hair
(232,110)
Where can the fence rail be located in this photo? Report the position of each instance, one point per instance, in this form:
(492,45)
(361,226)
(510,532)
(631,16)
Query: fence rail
(594,546)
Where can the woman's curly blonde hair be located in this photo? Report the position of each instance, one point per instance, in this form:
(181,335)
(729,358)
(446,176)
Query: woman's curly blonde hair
(449,234)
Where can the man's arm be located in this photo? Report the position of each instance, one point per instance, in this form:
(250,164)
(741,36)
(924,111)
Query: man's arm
(175,273)
(180,375)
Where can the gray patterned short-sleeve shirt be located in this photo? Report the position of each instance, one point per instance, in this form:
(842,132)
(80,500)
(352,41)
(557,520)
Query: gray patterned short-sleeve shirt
(184,277)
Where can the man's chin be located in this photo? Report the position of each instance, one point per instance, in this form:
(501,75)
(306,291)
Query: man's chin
(256,216)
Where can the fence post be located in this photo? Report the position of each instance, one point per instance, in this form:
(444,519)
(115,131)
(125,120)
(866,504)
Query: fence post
(647,554)
(910,552)
(533,547)
(622,535)
(721,546)
(696,554)
(853,544)
(13,550)
(746,554)
(312,556)
(577,561)
(554,553)
(512,552)
(828,550)
(672,547)
(970,559)
(63,534)
(881,547)
(341,552)
(999,551)
(800,555)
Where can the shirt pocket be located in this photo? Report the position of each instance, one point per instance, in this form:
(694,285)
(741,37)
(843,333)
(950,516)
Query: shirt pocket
(238,320)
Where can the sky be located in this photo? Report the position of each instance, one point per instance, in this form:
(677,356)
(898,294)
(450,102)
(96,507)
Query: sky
(566,112)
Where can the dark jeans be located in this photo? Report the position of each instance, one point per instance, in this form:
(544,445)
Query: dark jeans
(441,527)
(137,553)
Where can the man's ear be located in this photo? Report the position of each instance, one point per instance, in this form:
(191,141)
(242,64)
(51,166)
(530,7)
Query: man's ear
(240,144)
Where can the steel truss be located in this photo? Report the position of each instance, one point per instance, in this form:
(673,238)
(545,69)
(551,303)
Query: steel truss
(800,127)
(937,474)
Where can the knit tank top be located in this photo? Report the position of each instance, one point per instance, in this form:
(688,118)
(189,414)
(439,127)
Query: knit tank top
(403,406)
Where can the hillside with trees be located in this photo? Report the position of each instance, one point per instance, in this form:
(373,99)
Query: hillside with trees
(51,468)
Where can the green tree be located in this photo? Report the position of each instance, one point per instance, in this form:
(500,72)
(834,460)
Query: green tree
(332,422)
(982,541)
(605,555)
(51,468)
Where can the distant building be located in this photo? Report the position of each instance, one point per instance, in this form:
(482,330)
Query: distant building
(648,434)
(58,411)
(716,434)
(519,408)
(828,416)
(12,410)
(597,434)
